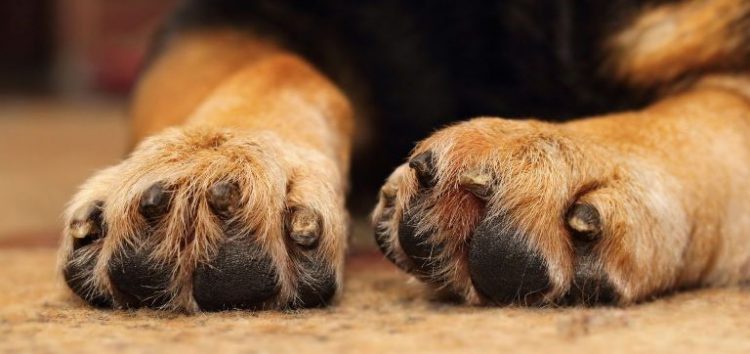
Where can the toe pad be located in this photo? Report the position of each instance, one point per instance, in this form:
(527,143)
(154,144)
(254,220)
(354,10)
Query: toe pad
(241,276)
(503,267)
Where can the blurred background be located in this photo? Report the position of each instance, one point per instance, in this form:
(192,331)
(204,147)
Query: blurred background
(66,69)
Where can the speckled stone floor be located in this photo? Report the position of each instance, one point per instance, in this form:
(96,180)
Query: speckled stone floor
(378,312)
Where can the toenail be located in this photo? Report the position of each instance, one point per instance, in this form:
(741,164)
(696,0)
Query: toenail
(88,225)
(477,183)
(304,227)
(388,193)
(155,201)
(424,168)
(224,198)
(583,219)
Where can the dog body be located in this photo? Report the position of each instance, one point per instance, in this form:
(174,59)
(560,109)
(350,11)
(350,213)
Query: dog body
(245,128)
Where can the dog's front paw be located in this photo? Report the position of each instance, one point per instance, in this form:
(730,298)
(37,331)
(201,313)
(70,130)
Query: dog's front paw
(203,219)
(497,211)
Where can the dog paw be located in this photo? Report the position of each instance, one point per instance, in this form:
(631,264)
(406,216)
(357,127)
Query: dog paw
(496,212)
(205,220)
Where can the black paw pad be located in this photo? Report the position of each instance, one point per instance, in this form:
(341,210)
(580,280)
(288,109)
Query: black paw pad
(503,267)
(417,246)
(591,285)
(138,280)
(590,289)
(241,276)
(382,235)
(318,285)
(77,273)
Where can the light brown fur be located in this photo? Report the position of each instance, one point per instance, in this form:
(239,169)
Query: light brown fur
(671,183)
(256,116)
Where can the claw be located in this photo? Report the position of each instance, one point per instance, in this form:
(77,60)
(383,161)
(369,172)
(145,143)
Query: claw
(477,183)
(304,227)
(388,193)
(87,224)
(83,228)
(224,198)
(424,168)
(155,201)
(584,220)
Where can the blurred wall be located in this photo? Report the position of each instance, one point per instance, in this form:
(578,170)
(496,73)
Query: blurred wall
(65,69)
(26,45)
(75,46)
(102,42)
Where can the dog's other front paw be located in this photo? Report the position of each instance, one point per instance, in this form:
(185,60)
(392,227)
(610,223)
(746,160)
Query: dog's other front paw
(496,211)
(206,219)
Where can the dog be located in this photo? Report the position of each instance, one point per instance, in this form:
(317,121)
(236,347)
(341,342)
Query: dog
(244,135)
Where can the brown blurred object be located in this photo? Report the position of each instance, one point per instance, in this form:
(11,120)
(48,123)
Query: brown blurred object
(102,43)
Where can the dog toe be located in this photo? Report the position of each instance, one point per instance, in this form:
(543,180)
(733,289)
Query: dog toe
(78,273)
(86,229)
(137,280)
(417,246)
(318,286)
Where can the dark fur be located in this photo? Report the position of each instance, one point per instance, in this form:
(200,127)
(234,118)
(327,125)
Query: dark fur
(414,66)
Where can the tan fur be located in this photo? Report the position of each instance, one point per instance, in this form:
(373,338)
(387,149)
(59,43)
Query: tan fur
(671,182)
(668,42)
(244,111)
(186,73)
